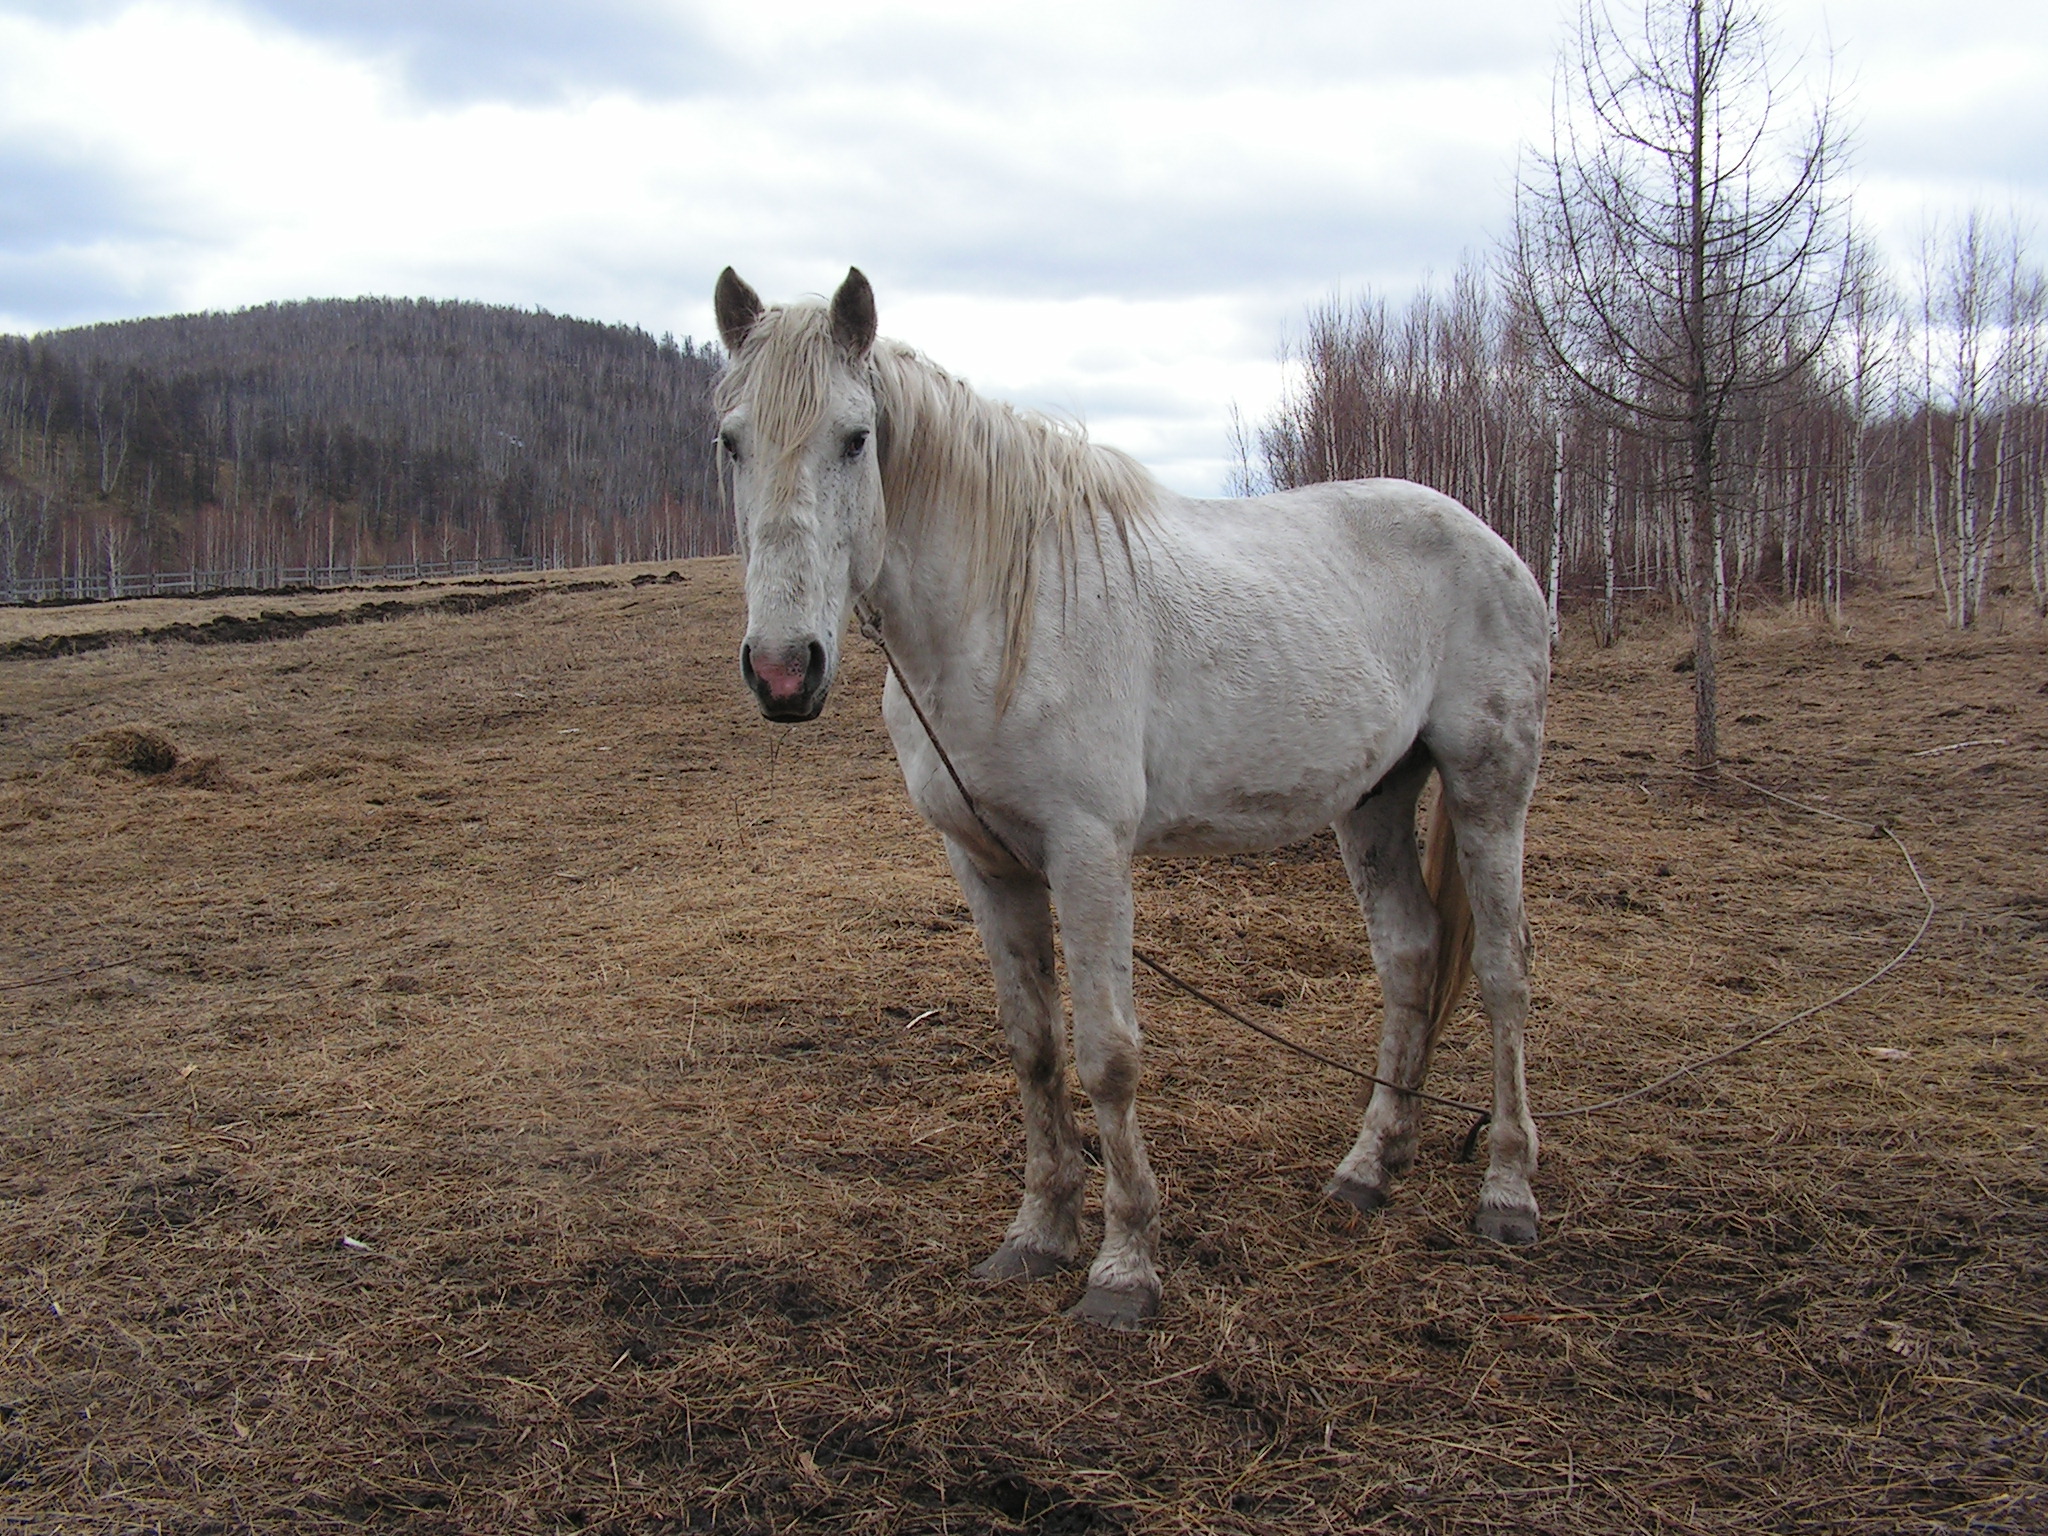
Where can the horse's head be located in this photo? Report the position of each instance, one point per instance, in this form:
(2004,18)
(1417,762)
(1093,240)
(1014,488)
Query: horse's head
(797,424)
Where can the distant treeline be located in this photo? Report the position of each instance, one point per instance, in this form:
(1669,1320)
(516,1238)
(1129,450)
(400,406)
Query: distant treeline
(353,432)
(1917,435)
(1920,437)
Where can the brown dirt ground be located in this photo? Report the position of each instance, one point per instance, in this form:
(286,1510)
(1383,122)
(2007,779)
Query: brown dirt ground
(519,1090)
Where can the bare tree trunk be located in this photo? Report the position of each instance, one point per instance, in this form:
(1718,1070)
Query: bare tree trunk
(1556,522)
(1610,627)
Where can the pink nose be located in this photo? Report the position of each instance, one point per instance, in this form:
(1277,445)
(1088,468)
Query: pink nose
(782,671)
(788,680)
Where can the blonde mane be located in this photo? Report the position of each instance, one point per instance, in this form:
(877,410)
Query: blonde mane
(1007,477)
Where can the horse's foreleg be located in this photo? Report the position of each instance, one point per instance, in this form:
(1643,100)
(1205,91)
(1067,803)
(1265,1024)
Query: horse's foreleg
(1093,891)
(1378,842)
(1014,918)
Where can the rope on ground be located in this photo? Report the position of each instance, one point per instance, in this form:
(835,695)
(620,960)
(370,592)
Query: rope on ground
(1484,1116)
(1926,922)
(43,981)
(1575,1111)
(1296,1046)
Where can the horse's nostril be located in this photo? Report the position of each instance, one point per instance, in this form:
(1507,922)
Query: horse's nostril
(783,675)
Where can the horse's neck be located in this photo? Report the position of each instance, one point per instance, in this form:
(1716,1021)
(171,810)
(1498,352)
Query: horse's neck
(925,602)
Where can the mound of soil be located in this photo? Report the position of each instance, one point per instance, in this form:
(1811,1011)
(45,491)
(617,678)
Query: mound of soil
(276,623)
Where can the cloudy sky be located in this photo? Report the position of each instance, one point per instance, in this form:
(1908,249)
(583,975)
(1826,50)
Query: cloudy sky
(1113,209)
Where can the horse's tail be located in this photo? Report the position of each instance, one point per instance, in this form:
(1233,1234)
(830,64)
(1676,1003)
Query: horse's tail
(1446,884)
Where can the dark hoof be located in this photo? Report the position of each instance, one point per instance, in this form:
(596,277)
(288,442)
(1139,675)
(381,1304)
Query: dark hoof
(1015,1262)
(1360,1197)
(1516,1228)
(1124,1311)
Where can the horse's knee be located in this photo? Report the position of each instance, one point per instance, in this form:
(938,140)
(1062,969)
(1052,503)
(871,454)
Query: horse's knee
(1108,1069)
(1036,1057)
(1405,963)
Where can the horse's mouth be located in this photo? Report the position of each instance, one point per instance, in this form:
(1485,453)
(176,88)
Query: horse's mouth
(793,711)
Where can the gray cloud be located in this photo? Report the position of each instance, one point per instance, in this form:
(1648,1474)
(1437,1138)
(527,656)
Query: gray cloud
(977,218)
(74,234)
(1074,247)
(76,285)
(516,50)
(543,50)
(1188,46)
(53,197)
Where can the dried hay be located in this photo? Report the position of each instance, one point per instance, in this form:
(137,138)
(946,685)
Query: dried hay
(150,754)
(127,749)
(582,1113)
(204,773)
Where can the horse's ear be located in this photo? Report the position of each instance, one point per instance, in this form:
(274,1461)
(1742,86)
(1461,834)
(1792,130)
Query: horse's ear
(738,308)
(853,314)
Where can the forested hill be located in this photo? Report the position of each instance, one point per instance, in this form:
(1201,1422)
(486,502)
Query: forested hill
(352,432)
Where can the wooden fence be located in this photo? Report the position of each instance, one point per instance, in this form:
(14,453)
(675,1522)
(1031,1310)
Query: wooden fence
(85,586)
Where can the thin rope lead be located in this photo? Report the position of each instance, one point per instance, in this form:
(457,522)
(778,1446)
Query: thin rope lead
(1926,922)
(43,981)
(1296,1046)
(871,627)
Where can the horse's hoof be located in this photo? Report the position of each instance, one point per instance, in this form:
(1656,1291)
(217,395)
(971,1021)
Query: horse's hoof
(1514,1227)
(1125,1311)
(1013,1261)
(1359,1196)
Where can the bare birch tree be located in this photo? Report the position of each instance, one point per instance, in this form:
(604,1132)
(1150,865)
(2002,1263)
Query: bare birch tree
(2026,390)
(1870,332)
(1678,250)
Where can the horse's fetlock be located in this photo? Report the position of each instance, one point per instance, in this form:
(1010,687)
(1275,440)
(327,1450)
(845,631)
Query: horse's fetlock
(1133,1214)
(1063,1179)
(1511,1148)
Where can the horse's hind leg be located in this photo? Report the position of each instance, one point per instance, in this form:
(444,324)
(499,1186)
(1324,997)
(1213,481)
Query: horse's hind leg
(1489,802)
(1378,842)
(1015,921)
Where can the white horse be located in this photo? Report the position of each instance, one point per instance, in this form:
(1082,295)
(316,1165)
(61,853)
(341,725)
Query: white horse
(1115,669)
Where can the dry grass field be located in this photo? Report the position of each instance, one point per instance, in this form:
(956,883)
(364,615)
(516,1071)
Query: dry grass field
(493,1082)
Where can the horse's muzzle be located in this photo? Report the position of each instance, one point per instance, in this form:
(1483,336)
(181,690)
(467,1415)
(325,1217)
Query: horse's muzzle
(789,681)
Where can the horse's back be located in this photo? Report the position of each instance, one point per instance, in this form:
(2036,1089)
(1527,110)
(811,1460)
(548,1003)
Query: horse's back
(1380,570)
(1398,532)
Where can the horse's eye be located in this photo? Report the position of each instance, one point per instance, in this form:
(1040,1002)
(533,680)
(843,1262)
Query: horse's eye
(855,441)
(732,448)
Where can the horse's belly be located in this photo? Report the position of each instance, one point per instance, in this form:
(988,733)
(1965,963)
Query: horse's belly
(1257,811)
(1238,771)
(1224,830)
